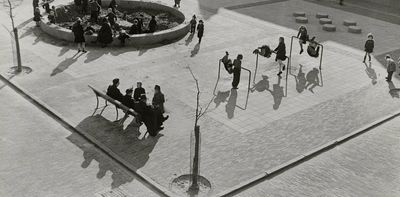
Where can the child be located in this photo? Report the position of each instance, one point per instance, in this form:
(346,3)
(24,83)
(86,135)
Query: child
(280,55)
(200,30)
(313,48)
(37,16)
(46,5)
(123,36)
(227,63)
(303,37)
(369,47)
(193,23)
(51,17)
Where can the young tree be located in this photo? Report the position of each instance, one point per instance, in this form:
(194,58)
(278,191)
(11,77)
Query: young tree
(15,30)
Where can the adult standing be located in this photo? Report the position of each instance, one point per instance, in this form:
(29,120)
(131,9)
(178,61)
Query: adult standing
(280,55)
(94,10)
(391,67)
(177,3)
(158,99)
(200,30)
(193,23)
(105,34)
(237,69)
(152,24)
(78,31)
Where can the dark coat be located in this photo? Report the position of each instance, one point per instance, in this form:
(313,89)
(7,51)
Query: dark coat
(112,4)
(105,34)
(35,3)
(36,16)
(113,92)
(200,30)
(134,29)
(280,52)
(369,46)
(77,29)
(128,101)
(158,101)
(138,93)
(152,25)
(303,36)
(236,72)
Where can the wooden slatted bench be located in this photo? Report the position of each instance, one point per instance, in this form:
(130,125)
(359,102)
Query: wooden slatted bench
(117,104)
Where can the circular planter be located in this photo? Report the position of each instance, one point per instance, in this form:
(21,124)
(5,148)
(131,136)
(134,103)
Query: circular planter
(299,14)
(354,29)
(322,15)
(329,27)
(349,23)
(323,21)
(301,19)
(163,36)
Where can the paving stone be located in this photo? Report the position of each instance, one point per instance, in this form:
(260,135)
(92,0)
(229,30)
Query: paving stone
(322,15)
(299,14)
(323,21)
(355,29)
(329,27)
(349,23)
(301,19)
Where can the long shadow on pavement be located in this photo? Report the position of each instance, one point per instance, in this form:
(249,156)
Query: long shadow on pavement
(123,142)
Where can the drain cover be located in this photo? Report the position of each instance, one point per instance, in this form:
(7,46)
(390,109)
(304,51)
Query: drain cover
(117,192)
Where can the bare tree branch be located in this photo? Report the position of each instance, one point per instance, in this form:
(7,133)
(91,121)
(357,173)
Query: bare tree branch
(11,13)
(197,96)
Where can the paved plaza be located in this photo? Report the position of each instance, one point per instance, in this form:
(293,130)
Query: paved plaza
(245,133)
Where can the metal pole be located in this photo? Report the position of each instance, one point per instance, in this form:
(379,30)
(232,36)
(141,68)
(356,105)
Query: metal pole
(19,66)
(255,72)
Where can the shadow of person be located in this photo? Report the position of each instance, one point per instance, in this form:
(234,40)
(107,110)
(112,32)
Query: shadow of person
(195,50)
(142,51)
(312,79)
(67,62)
(371,73)
(189,39)
(221,97)
(277,93)
(393,91)
(63,51)
(124,143)
(262,85)
(95,54)
(300,80)
(231,105)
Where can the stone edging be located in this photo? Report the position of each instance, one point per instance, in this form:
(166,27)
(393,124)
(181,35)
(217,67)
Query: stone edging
(304,157)
(167,35)
(43,106)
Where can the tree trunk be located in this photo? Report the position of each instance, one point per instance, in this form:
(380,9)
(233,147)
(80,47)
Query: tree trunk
(19,66)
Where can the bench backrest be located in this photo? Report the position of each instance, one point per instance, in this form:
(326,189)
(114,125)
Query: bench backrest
(113,101)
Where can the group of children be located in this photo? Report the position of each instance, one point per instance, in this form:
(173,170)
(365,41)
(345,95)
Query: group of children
(200,27)
(52,14)
(151,115)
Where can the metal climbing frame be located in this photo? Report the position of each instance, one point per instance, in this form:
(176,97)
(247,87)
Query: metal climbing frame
(287,71)
(248,86)
(320,60)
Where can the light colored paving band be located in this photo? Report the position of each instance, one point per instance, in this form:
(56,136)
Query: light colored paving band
(160,190)
(270,173)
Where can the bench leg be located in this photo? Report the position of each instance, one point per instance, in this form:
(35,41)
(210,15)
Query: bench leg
(97,105)
(106,104)
(116,109)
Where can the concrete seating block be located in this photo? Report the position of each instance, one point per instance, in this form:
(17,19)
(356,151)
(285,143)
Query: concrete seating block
(301,19)
(329,27)
(349,23)
(355,29)
(323,21)
(299,14)
(322,15)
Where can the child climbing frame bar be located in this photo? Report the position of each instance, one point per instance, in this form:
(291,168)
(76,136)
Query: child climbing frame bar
(320,60)
(248,85)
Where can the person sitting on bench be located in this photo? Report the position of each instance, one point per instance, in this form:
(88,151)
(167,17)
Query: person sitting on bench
(151,117)
(113,91)
(139,91)
(227,63)
(313,48)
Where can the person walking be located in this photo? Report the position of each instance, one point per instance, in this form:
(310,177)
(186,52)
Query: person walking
(193,23)
(391,67)
(369,47)
(280,55)
(237,68)
(200,30)
(77,29)
(177,3)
